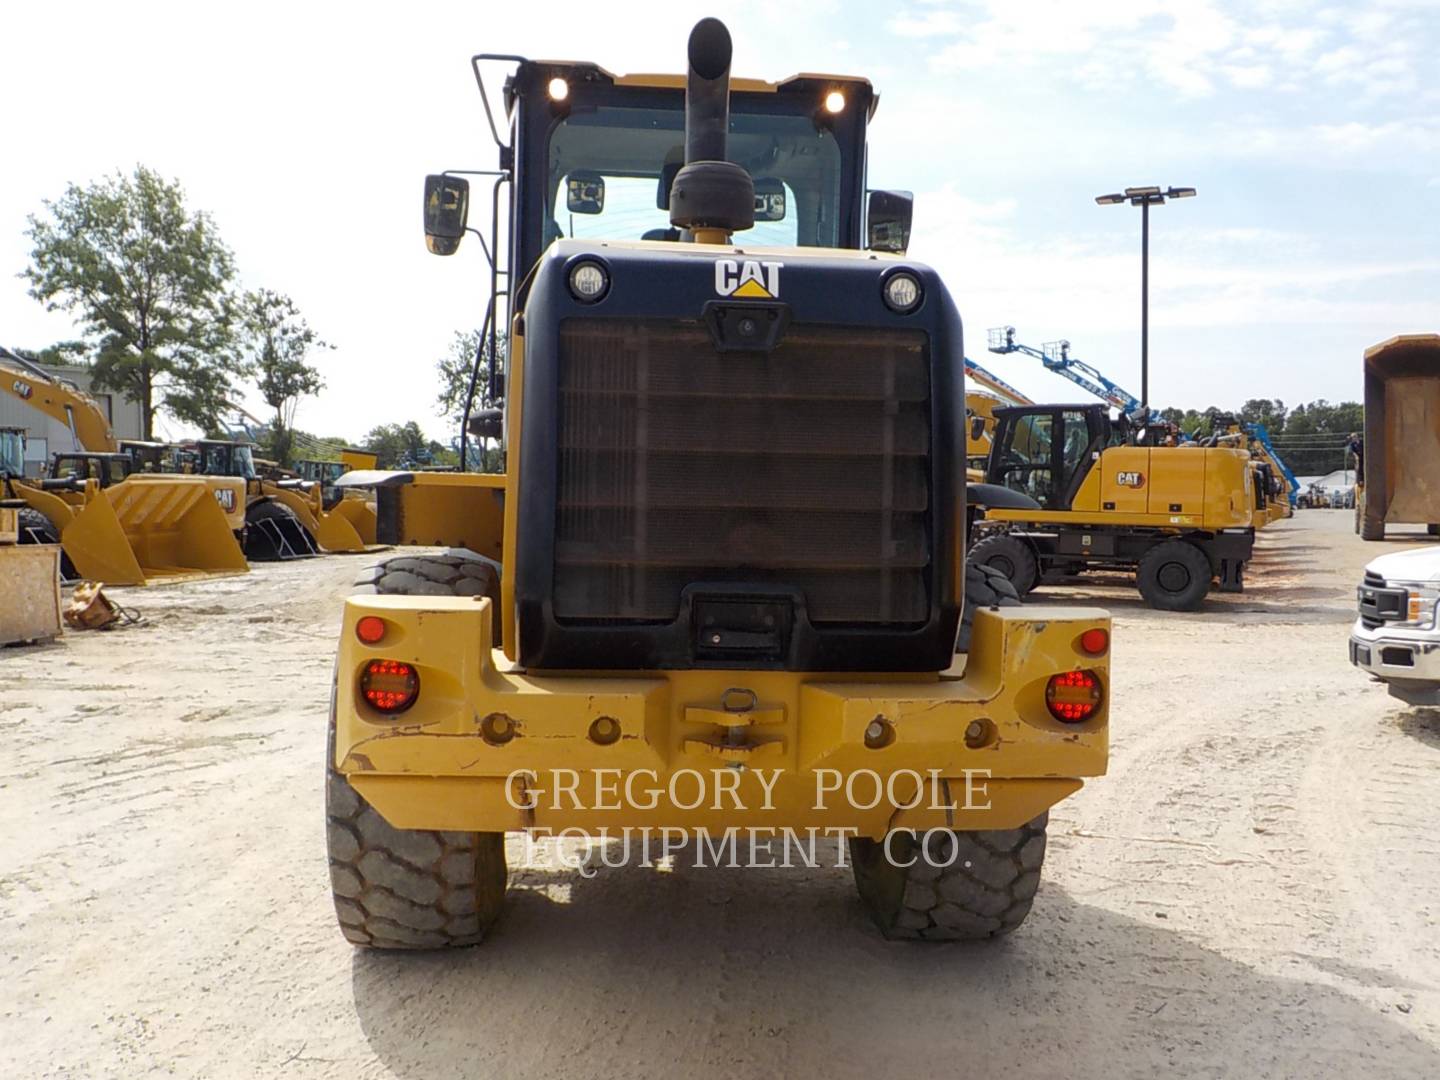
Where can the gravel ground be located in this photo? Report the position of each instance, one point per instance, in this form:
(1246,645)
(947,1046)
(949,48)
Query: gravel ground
(1252,891)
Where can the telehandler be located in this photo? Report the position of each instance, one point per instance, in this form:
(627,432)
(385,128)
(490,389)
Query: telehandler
(1181,516)
(732,530)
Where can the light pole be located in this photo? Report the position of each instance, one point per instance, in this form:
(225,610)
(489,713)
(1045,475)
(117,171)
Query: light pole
(1145,197)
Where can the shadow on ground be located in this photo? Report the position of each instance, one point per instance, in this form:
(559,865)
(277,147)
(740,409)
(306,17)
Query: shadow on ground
(772,973)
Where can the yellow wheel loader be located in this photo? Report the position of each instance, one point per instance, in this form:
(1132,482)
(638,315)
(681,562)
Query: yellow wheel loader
(726,555)
(127,530)
(356,506)
(1399,473)
(113,528)
(1181,517)
(284,519)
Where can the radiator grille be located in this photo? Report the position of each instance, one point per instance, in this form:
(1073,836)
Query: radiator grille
(807,467)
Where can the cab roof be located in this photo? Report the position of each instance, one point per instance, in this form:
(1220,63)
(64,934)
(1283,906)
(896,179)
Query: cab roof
(667,81)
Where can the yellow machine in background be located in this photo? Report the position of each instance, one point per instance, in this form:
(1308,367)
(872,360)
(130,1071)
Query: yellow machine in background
(1401,467)
(113,527)
(1181,516)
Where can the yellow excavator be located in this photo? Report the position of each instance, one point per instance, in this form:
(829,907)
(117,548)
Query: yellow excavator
(112,525)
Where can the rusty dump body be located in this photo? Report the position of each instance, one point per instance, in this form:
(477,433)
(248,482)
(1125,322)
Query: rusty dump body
(1402,430)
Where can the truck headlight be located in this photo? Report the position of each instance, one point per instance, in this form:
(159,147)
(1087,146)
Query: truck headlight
(1421,604)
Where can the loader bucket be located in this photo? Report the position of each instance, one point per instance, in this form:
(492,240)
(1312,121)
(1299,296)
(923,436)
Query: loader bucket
(1402,430)
(360,513)
(90,534)
(175,528)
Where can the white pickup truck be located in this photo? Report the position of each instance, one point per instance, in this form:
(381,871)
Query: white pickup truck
(1397,635)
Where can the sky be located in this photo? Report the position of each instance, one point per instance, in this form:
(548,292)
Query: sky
(1310,130)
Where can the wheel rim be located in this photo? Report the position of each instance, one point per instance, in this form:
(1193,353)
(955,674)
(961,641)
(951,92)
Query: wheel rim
(1173,577)
(1003,564)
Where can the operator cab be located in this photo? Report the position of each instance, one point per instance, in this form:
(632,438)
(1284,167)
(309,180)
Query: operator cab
(1046,451)
(592,156)
(222,458)
(78,466)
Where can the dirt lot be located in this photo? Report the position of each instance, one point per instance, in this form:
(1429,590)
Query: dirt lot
(1251,892)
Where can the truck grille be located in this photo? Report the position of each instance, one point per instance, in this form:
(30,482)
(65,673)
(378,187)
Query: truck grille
(804,468)
(1379,604)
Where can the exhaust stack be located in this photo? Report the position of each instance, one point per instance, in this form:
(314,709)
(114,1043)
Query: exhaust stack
(711,197)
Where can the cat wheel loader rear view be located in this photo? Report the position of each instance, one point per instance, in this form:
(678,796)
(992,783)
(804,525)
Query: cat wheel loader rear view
(727,547)
(115,527)
(1400,470)
(1181,517)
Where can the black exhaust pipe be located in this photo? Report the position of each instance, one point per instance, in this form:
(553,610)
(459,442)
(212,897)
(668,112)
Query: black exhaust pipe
(710,196)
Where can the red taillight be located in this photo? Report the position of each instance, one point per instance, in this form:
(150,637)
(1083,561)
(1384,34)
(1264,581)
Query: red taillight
(370,629)
(1073,696)
(1095,641)
(389,686)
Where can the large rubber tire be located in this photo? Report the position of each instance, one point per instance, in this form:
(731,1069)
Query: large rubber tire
(1174,576)
(1010,555)
(261,543)
(1372,528)
(985,587)
(456,573)
(408,888)
(36,528)
(985,891)
(411,888)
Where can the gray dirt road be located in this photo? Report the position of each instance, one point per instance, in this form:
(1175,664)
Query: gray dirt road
(1251,892)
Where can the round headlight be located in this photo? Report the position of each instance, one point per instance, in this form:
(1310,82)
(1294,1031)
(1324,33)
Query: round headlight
(834,102)
(902,292)
(588,281)
(559,89)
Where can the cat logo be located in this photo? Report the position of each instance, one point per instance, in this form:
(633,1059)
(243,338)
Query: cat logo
(226,498)
(749,279)
(1130,479)
(23,389)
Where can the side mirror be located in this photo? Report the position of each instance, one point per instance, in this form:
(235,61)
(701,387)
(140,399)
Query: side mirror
(447,208)
(888,216)
(585,193)
(769,199)
(977,428)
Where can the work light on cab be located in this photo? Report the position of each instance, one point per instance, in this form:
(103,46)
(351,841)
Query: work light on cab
(1073,696)
(389,686)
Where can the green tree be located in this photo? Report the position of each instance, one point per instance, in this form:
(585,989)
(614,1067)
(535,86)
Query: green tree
(277,339)
(454,370)
(148,282)
(398,445)
(61,354)
(1270,413)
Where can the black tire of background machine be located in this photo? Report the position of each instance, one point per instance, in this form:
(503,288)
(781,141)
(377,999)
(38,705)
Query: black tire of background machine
(1012,556)
(1174,576)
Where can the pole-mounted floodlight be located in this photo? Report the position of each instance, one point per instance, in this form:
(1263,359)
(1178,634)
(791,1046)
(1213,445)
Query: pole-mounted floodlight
(1145,197)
